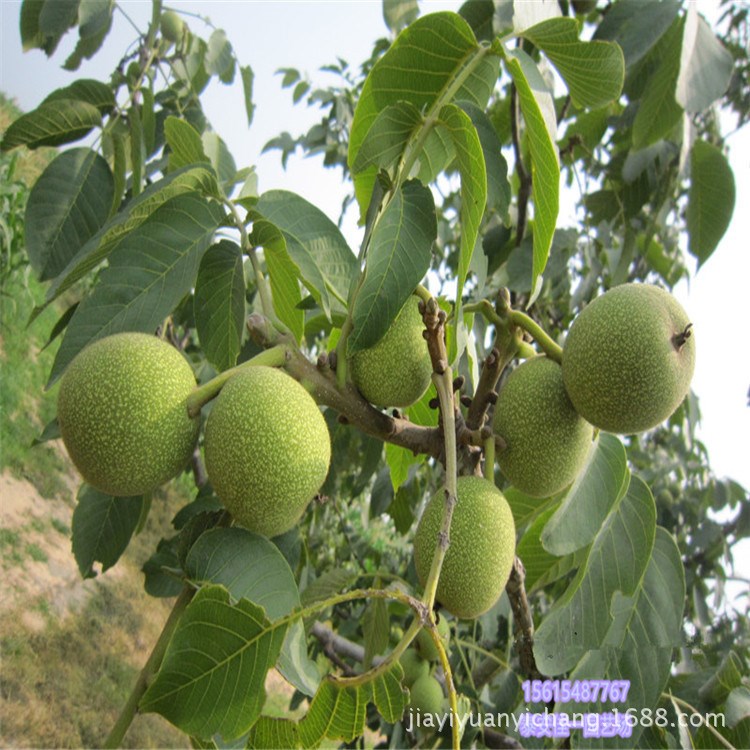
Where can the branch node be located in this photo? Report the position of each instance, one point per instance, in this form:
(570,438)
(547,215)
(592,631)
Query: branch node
(466,400)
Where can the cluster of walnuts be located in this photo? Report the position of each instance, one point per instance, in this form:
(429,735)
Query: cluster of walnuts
(626,366)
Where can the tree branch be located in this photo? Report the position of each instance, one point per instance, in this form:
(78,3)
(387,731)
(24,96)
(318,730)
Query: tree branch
(523,622)
(524,178)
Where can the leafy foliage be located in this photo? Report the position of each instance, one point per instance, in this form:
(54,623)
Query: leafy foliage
(456,142)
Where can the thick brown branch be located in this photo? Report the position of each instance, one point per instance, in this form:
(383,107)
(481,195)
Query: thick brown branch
(320,381)
(523,622)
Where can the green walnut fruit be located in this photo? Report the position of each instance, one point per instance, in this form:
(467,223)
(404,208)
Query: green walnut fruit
(629,358)
(123,414)
(396,371)
(426,645)
(267,449)
(172,26)
(426,697)
(546,440)
(414,666)
(482,547)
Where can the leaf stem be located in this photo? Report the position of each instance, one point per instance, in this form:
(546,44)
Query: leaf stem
(550,347)
(450,686)
(129,710)
(275,357)
(261,282)
(695,712)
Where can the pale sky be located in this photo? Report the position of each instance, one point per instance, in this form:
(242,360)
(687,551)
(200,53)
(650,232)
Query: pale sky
(307,34)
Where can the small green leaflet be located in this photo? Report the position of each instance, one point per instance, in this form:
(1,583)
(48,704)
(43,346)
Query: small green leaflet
(219,303)
(102,527)
(219,687)
(315,244)
(710,200)
(151,270)
(580,620)
(397,260)
(433,62)
(471,166)
(593,71)
(538,110)
(52,124)
(69,203)
(599,485)
(137,211)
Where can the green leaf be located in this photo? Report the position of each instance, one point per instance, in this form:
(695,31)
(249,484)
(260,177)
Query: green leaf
(246,72)
(580,620)
(247,565)
(221,159)
(337,713)
(737,707)
(524,507)
(637,25)
(185,143)
(399,13)
(86,90)
(599,485)
(727,677)
(471,167)
(388,694)
(387,137)
(480,14)
(433,62)
(397,259)
(68,204)
(658,111)
(537,106)
(57,16)
(326,263)
(271,733)
(638,647)
(120,160)
(219,55)
(162,570)
(44,23)
(219,303)
(498,187)
(52,124)
(399,460)
(130,218)
(283,274)
(328,584)
(101,528)
(710,200)
(51,431)
(31,37)
(151,270)
(543,568)
(375,629)
(211,680)
(593,71)
(705,65)
(94,23)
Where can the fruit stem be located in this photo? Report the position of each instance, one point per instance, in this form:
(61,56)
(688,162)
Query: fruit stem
(489,459)
(550,347)
(274,357)
(130,708)
(422,292)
